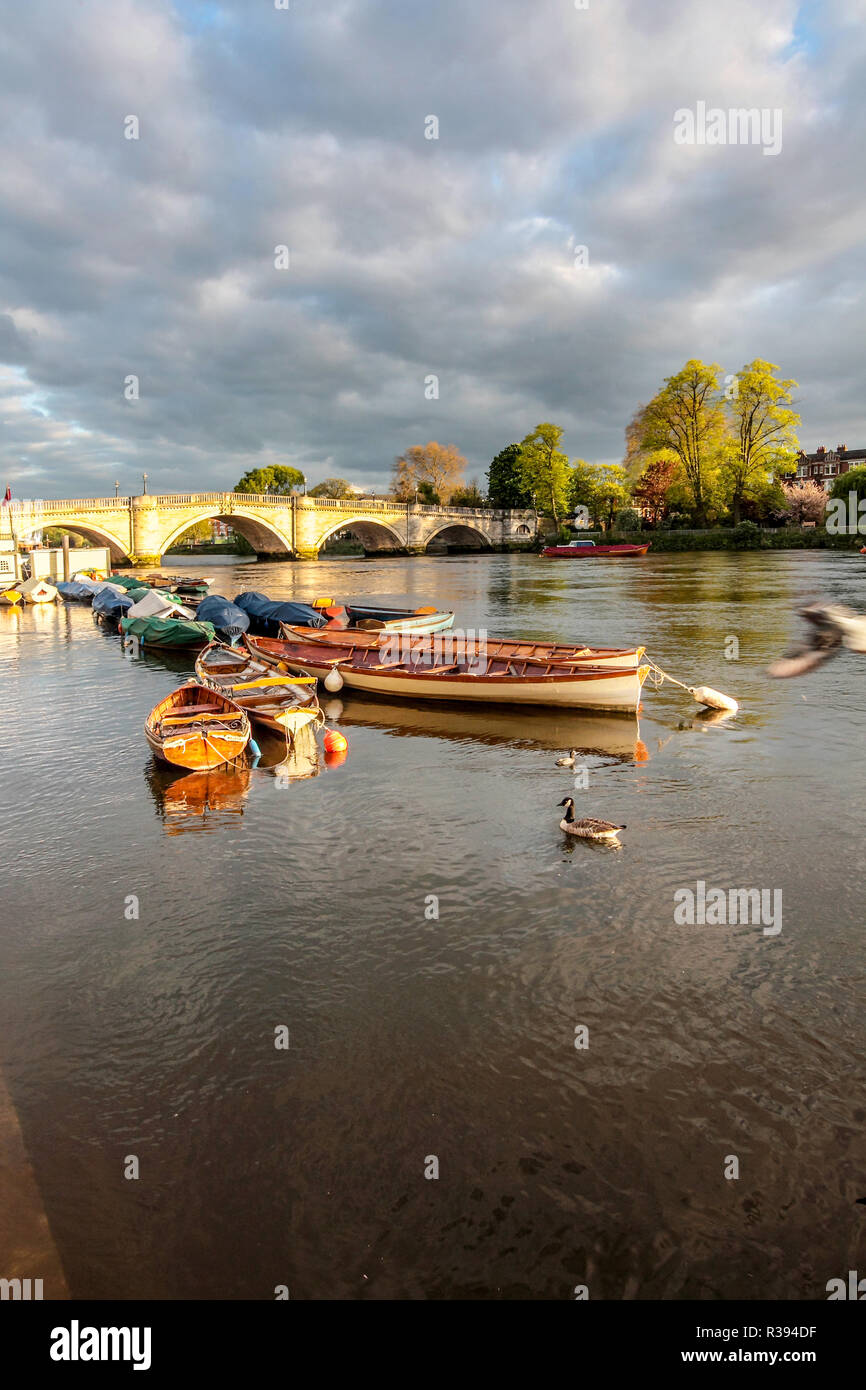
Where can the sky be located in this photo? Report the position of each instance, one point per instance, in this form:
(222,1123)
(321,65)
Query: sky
(553,255)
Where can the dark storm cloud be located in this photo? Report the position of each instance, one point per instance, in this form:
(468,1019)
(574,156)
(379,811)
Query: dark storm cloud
(261,127)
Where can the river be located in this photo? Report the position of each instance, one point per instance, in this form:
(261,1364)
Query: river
(435,949)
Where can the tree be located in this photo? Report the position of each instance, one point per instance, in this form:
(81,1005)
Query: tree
(650,490)
(545,471)
(427,494)
(504,480)
(441,466)
(686,419)
(852,481)
(332,487)
(469,496)
(276,479)
(763,429)
(611,492)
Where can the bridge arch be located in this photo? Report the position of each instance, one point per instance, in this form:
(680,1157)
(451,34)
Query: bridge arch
(370,533)
(93,534)
(459,533)
(262,535)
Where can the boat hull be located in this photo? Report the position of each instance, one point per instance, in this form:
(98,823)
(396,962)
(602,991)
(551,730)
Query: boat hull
(197,728)
(590,688)
(278,710)
(614,658)
(593,552)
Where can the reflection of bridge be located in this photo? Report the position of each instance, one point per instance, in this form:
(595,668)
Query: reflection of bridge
(142,529)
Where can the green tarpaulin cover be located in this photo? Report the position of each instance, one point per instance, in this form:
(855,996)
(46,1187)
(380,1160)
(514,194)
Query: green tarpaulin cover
(167,632)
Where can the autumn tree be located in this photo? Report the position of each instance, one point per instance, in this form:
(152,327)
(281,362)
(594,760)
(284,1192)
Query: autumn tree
(650,490)
(685,419)
(332,487)
(275,479)
(545,471)
(763,440)
(440,465)
(505,480)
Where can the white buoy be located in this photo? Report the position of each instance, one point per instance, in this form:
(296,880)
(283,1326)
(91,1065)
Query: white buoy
(713,699)
(333,681)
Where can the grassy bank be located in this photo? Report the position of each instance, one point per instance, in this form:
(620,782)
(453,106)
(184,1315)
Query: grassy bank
(728,538)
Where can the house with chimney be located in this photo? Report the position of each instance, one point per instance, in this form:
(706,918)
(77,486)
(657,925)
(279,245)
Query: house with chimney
(825,465)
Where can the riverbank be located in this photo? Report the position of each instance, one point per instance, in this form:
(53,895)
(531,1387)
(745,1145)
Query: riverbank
(731,538)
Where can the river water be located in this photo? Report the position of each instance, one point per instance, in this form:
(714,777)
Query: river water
(308,903)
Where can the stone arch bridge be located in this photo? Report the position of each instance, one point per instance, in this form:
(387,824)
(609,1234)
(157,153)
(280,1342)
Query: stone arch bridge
(139,530)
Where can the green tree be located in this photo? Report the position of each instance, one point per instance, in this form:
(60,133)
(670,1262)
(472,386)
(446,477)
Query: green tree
(545,471)
(427,494)
(611,492)
(686,419)
(763,444)
(469,496)
(332,487)
(852,481)
(505,480)
(276,479)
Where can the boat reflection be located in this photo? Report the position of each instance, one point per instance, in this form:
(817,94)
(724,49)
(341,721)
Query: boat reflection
(288,760)
(611,735)
(197,801)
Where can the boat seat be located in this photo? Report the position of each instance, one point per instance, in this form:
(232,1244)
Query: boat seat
(195,709)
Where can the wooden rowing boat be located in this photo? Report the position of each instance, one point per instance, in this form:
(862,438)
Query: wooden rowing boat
(282,705)
(375,618)
(451,644)
(588,550)
(495,679)
(197,728)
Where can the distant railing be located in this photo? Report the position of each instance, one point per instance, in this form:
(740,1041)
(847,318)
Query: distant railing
(226,500)
(87,504)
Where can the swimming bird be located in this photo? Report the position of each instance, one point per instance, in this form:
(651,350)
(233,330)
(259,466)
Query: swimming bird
(587,829)
(832,627)
(569,761)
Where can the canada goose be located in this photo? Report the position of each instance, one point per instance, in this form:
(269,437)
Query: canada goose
(587,829)
(569,761)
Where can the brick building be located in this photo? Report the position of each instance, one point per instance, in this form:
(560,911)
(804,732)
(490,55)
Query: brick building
(826,464)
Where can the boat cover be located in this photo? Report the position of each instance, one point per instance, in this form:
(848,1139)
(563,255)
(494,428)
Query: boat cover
(109,603)
(71,589)
(167,632)
(228,619)
(158,605)
(266,614)
(37,591)
(126,581)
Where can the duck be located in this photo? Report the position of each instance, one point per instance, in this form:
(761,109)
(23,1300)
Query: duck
(569,761)
(588,829)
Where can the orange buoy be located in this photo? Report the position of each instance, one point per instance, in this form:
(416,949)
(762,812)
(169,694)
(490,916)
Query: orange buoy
(335,742)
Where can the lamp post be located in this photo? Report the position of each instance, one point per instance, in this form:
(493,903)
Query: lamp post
(117,489)
(144,482)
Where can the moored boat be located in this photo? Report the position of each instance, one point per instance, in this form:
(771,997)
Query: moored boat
(376,618)
(280,703)
(419,646)
(75,592)
(588,550)
(494,679)
(167,632)
(197,728)
(37,591)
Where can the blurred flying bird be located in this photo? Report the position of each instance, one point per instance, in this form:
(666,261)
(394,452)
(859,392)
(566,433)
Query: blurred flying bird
(832,627)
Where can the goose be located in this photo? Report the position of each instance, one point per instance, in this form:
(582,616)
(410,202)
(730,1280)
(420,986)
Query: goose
(587,829)
(569,761)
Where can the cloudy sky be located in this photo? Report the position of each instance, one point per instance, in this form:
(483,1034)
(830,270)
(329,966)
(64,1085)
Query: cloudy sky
(409,257)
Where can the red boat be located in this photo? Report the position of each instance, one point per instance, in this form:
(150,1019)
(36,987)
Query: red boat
(584,550)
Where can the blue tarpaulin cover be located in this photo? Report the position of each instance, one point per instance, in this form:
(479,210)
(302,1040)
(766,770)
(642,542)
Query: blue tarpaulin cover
(111,604)
(69,589)
(228,619)
(266,614)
